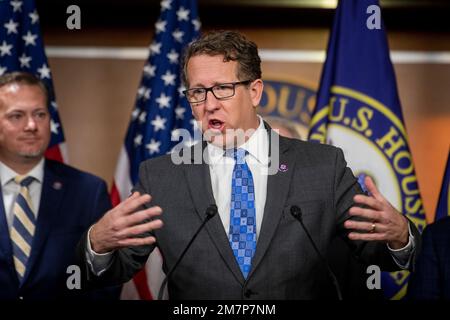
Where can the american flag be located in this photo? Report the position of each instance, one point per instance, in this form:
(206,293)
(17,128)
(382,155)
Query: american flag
(22,49)
(160,110)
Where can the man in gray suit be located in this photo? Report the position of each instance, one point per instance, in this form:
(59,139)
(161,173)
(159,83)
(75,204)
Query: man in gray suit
(254,248)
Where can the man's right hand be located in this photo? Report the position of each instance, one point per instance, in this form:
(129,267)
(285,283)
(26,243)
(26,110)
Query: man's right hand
(120,226)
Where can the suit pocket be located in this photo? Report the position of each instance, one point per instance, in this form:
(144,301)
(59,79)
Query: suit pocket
(313,216)
(315,207)
(305,208)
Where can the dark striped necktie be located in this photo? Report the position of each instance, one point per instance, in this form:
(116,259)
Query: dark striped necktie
(23,226)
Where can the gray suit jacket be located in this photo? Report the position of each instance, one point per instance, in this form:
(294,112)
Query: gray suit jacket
(285,265)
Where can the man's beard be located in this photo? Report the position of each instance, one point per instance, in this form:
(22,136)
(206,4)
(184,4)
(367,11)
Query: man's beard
(32,155)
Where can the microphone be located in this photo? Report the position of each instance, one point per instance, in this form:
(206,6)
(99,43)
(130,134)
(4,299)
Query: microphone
(210,212)
(297,214)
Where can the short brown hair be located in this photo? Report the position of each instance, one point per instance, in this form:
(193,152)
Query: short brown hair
(21,77)
(233,46)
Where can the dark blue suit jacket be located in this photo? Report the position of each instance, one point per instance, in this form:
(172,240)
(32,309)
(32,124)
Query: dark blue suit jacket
(71,201)
(431,279)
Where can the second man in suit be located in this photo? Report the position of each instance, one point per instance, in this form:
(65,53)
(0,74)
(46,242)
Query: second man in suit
(45,206)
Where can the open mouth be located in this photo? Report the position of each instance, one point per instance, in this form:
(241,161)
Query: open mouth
(215,124)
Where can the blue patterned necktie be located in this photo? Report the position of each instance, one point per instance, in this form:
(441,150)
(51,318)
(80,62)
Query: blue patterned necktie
(242,234)
(23,226)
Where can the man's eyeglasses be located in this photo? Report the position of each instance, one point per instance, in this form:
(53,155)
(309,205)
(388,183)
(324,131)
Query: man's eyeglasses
(220,91)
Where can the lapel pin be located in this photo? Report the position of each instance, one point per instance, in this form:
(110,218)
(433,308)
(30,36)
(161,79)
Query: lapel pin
(57,185)
(283,167)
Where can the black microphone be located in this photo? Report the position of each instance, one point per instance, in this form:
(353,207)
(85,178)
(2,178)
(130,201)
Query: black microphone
(210,212)
(297,214)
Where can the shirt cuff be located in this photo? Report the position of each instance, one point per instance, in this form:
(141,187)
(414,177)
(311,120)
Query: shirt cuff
(402,256)
(98,262)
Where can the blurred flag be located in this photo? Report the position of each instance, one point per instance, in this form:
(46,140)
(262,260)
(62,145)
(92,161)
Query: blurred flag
(22,49)
(160,110)
(358,109)
(443,206)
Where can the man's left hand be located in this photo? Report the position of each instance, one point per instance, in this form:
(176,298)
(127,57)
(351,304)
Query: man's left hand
(382,222)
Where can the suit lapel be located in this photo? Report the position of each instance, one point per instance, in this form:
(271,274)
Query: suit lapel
(277,192)
(199,181)
(51,197)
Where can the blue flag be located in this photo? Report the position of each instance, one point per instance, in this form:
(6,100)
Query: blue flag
(443,206)
(160,112)
(22,49)
(358,109)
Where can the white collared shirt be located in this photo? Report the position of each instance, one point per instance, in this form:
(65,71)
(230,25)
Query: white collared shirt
(221,167)
(10,189)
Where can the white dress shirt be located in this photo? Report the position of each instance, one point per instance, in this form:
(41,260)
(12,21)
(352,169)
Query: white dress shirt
(10,189)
